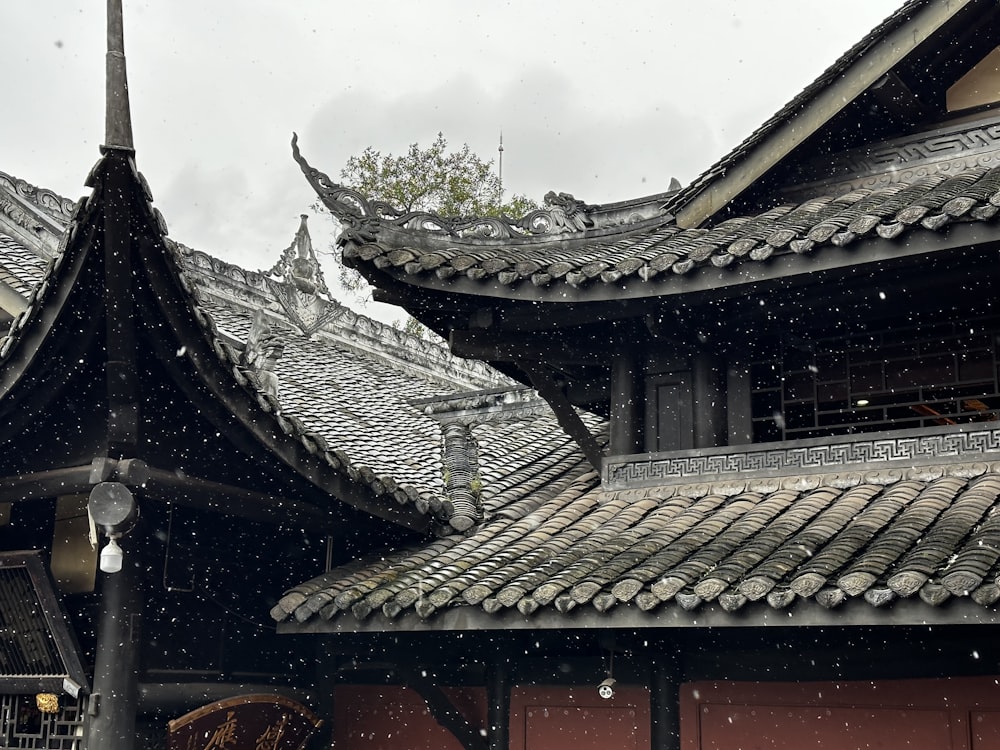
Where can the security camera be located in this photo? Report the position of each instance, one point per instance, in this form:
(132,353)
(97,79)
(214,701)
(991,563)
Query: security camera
(607,689)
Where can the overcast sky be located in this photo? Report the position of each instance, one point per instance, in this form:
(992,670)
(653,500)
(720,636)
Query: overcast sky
(604,100)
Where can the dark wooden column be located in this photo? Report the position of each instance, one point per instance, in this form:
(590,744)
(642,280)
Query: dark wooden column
(708,378)
(116,665)
(664,708)
(628,402)
(738,408)
(326,681)
(498,705)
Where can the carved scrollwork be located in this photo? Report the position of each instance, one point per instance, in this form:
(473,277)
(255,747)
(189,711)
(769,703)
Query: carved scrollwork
(41,197)
(11,210)
(363,217)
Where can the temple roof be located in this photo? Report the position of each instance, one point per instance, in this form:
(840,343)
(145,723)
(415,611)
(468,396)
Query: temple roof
(662,258)
(349,389)
(632,557)
(750,207)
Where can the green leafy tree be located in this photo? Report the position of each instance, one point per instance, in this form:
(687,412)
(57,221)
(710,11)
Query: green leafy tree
(432,179)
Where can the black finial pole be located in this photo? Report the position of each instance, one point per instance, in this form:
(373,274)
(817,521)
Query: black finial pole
(118,117)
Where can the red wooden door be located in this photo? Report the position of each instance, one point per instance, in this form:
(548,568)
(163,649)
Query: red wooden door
(945,714)
(557,718)
(985,730)
(831,728)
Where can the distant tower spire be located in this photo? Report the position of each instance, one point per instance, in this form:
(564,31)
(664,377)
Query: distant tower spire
(118,117)
(500,169)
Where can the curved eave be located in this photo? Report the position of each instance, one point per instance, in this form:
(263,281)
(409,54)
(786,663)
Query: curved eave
(646,281)
(192,350)
(67,309)
(563,222)
(44,343)
(885,546)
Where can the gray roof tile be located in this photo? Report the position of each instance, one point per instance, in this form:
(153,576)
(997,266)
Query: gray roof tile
(20,269)
(934,536)
(657,254)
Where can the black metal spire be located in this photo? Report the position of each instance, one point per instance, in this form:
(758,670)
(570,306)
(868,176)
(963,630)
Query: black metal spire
(118,117)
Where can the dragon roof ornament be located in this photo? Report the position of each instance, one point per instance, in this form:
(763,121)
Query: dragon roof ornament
(363,218)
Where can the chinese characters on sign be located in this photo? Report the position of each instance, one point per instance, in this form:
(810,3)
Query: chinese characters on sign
(247,722)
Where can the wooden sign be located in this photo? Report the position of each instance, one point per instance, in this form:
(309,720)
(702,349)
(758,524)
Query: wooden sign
(246,722)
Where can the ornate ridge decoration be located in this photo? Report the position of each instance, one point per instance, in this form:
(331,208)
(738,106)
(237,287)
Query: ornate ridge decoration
(298,264)
(806,460)
(301,290)
(363,218)
(54,204)
(264,348)
(252,288)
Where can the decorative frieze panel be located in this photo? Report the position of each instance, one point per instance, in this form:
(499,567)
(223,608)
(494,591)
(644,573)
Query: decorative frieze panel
(948,150)
(910,448)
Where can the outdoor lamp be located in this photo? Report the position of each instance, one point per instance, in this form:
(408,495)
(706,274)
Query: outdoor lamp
(111,557)
(113,509)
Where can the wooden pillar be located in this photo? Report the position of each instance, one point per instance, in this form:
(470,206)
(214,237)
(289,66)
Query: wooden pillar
(498,705)
(628,403)
(326,681)
(664,708)
(708,375)
(116,666)
(739,415)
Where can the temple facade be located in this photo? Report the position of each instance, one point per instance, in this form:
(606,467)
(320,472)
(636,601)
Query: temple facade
(717,467)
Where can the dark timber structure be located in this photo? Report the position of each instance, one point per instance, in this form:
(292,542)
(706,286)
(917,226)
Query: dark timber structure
(797,358)
(729,476)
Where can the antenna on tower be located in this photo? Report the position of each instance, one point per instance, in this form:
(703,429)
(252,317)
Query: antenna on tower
(500,169)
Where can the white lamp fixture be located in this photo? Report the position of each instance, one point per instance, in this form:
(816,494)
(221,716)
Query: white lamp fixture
(111,557)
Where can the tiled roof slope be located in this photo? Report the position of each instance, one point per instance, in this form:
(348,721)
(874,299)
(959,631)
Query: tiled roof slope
(658,255)
(931,533)
(349,408)
(361,407)
(20,269)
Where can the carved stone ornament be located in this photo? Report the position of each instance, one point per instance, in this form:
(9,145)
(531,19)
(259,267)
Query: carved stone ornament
(297,283)
(299,265)
(263,350)
(363,218)
(458,414)
(53,203)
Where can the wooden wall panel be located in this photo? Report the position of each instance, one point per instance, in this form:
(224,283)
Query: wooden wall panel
(391,717)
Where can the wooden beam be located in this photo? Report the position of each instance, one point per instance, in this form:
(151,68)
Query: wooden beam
(569,420)
(165,486)
(45,484)
(862,74)
(168,486)
(494,346)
